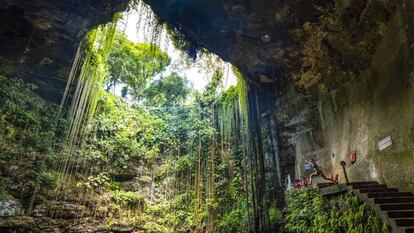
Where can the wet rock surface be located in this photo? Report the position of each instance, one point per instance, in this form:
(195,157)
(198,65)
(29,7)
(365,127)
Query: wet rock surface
(9,208)
(39,38)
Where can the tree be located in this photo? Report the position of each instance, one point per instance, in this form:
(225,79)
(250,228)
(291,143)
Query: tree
(167,91)
(134,64)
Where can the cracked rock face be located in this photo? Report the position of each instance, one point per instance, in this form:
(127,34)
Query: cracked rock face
(38,38)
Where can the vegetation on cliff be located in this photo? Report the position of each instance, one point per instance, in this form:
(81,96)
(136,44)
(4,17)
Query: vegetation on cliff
(308,211)
(166,162)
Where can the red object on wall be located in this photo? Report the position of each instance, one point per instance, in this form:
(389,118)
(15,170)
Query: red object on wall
(334,177)
(300,183)
(352,158)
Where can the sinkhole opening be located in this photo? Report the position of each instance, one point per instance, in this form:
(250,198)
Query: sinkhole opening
(151,134)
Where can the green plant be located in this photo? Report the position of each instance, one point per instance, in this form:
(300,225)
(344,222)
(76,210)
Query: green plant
(308,211)
(274,214)
(7,155)
(4,182)
(133,64)
(48,178)
(5,196)
(101,180)
(27,119)
(125,198)
(235,209)
(180,41)
(234,220)
(9,131)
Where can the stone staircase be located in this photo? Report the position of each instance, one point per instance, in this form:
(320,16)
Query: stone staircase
(392,206)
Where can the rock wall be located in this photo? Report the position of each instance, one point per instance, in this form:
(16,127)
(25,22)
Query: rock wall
(39,38)
(354,114)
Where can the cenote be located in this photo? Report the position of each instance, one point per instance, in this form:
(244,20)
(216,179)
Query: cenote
(204,116)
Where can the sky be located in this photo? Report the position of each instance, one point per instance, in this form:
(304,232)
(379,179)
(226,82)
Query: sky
(195,71)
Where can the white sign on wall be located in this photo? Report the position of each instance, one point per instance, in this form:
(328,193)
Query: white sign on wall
(384,143)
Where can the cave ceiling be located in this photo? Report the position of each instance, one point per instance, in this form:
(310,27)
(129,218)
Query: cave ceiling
(270,41)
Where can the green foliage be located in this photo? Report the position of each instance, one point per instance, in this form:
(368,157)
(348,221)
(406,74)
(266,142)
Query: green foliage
(4,182)
(48,179)
(100,181)
(167,91)
(184,162)
(16,97)
(6,155)
(180,123)
(274,214)
(234,206)
(234,220)
(308,211)
(134,64)
(180,41)
(24,118)
(242,89)
(5,196)
(227,109)
(29,123)
(121,132)
(31,134)
(95,51)
(185,214)
(9,132)
(125,198)
(211,90)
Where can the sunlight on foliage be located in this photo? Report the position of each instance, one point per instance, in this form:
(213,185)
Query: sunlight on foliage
(133,64)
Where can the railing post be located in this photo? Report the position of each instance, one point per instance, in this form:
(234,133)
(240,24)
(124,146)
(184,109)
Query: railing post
(343,164)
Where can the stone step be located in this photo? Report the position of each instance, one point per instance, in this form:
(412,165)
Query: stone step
(390,194)
(363,182)
(393,207)
(401,214)
(333,190)
(394,200)
(399,206)
(324,185)
(405,222)
(370,186)
(377,190)
(409,230)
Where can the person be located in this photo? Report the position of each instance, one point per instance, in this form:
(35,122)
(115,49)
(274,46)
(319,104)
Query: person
(317,171)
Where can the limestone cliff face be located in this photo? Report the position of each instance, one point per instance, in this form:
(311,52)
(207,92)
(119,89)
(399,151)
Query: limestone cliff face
(39,38)
(355,88)
(336,75)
